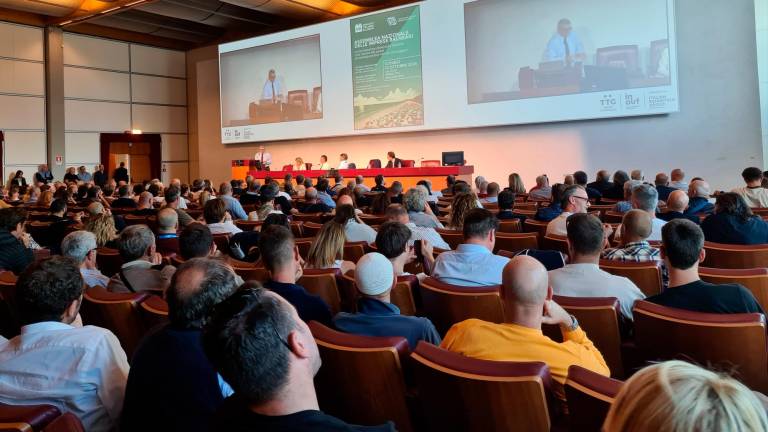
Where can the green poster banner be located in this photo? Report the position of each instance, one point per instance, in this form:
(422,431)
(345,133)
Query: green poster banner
(386,69)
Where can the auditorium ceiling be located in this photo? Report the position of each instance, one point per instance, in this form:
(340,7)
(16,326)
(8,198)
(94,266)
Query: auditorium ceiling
(182,24)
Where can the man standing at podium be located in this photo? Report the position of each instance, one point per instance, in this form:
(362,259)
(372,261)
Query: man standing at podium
(272,90)
(565,45)
(263,159)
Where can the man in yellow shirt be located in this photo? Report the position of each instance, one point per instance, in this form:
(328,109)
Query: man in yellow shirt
(528,303)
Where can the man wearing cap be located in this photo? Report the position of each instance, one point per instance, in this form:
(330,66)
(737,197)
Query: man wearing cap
(376,316)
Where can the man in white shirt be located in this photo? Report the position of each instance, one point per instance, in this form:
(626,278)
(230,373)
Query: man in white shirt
(272,90)
(360,181)
(646,198)
(343,164)
(82,370)
(574,200)
(565,45)
(677,179)
(264,158)
(398,213)
(81,247)
(753,193)
(582,277)
(324,165)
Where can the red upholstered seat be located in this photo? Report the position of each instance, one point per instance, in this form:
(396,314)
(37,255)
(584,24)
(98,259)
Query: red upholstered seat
(325,284)
(68,422)
(408,163)
(556,243)
(248,225)
(353,251)
(222,242)
(374,163)
(755,280)
(167,246)
(118,313)
(153,312)
(24,418)
(346,377)
(515,242)
(446,304)
(459,393)
(721,255)
(732,342)
(589,397)
(646,275)
(109,261)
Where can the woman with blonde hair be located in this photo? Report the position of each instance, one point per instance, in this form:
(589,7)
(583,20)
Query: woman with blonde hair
(516,185)
(298,164)
(461,205)
(327,251)
(46,197)
(103,227)
(676,396)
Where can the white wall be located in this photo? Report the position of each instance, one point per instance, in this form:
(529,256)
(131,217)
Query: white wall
(22,98)
(296,62)
(761,31)
(504,36)
(112,86)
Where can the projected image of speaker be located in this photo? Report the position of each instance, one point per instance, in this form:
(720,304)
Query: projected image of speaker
(455,158)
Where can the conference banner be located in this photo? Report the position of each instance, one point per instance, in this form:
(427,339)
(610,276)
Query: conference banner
(386,69)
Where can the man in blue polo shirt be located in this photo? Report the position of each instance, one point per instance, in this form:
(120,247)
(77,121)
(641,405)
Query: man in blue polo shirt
(376,316)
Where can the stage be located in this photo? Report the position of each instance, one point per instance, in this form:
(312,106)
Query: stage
(407,176)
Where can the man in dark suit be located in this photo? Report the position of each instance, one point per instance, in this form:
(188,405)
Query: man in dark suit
(43,175)
(698,193)
(99,176)
(580,178)
(677,201)
(662,186)
(602,183)
(394,162)
(121,173)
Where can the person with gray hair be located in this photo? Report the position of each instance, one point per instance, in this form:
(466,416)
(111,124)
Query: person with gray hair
(419,211)
(234,207)
(698,198)
(172,384)
(637,174)
(573,200)
(359,181)
(81,247)
(542,190)
(143,268)
(645,198)
(626,205)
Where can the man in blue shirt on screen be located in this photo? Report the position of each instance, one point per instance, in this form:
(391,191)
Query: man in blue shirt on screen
(565,45)
(272,89)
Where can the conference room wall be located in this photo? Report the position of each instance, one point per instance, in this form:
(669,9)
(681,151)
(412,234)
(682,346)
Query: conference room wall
(504,36)
(113,86)
(715,134)
(761,26)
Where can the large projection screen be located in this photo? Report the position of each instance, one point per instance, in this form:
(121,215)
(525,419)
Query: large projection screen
(452,64)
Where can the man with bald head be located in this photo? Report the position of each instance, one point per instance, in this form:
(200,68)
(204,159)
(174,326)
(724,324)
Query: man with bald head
(698,195)
(662,186)
(602,182)
(677,202)
(172,385)
(528,304)
(312,203)
(145,206)
(677,177)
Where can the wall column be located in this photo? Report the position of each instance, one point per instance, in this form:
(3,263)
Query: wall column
(54,90)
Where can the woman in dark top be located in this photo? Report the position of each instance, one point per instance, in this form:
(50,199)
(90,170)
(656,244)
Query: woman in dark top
(380,187)
(71,175)
(19,179)
(15,254)
(734,223)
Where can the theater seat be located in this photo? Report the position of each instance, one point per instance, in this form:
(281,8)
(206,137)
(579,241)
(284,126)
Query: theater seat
(222,242)
(353,251)
(109,261)
(646,275)
(247,225)
(68,422)
(118,313)
(555,243)
(408,163)
(510,226)
(346,386)
(755,280)
(459,393)
(26,418)
(311,228)
(534,226)
(515,242)
(374,163)
(589,397)
(719,255)
(9,321)
(402,294)
(153,312)
(304,245)
(446,304)
(323,283)
(731,342)
(167,246)
(452,237)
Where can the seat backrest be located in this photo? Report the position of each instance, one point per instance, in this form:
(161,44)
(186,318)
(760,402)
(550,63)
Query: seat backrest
(323,283)
(589,397)
(346,376)
(247,225)
(755,280)
(535,226)
(646,275)
(430,163)
(311,229)
(10,324)
(610,216)
(26,418)
(402,294)
(599,317)
(222,242)
(510,226)
(374,163)
(515,242)
(446,304)
(68,422)
(408,163)
(259,274)
(721,255)
(304,246)
(116,312)
(154,312)
(732,342)
(109,261)
(353,251)
(459,393)
(452,237)
(135,219)
(556,243)
(167,246)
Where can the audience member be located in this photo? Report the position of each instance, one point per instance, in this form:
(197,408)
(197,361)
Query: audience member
(102,225)
(313,204)
(516,185)
(645,198)
(81,247)
(125,198)
(679,396)
(542,191)
(626,205)
(637,174)
(380,184)
(172,385)
(616,192)
(506,207)
(218,218)
(635,229)
(360,182)
(573,200)
(528,304)
(662,186)
(397,213)
(555,207)
(15,252)
(492,194)
(142,269)
(196,241)
(677,177)
(582,276)
(473,262)
(734,223)
(698,194)
(395,192)
(232,205)
(683,251)
(322,194)
(251,195)
(376,315)
(276,392)
(462,204)
(753,193)
(419,211)
(602,182)
(677,202)
(173,200)
(327,251)
(82,370)
(355,230)
(394,242)
(380,203)
(580,178)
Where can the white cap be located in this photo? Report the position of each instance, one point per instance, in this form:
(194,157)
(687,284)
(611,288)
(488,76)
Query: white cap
(374,274)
